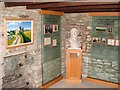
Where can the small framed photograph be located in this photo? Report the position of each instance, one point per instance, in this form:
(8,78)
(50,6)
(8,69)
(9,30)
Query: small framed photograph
(101,29)
(54,42)
(111,42)
(103,41)
(117,42)
(48,29)
(47,41)
(18,32)
(110,30)
(96,40)
(55,28)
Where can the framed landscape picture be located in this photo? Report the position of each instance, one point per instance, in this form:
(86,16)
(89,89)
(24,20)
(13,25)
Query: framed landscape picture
(101,29)
(18,32)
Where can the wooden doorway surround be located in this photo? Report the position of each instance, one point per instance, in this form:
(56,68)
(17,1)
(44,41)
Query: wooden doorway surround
(73,64)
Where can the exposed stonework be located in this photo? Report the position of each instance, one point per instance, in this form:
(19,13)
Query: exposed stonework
(103,69)
(107,70)
(51,70)
(1,48)
(81,22)
(22,65)
(91,67)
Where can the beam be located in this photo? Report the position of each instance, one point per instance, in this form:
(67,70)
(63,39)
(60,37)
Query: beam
(90,10)
(11,4)
(110,6)
(64,4)
(105,14)
(51,12)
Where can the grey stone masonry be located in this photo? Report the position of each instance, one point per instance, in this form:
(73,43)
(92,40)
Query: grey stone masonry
(81,22)
(104,70)
(92,67)
(20,67)
(1,47)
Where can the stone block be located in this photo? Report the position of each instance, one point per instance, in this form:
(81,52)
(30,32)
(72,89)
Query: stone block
(99,70)
(98,65)
(114,79)
(114,64)
(103,76)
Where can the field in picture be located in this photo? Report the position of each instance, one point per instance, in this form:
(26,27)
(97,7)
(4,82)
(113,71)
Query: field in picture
(18,32)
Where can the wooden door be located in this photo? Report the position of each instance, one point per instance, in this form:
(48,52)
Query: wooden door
(73,64)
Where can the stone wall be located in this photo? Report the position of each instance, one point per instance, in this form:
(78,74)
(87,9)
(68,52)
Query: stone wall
(92,67)
(102,69)
(21,65)
(1,48)
(81,22)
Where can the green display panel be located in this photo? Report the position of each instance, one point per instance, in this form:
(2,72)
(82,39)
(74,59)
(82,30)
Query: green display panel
(105,37)
(51,49)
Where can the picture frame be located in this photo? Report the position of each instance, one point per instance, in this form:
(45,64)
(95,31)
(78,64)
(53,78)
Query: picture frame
(54,42)
(96,40)
(110,30)
(117,42)
(18,32)
(48,29)
(55,28)
(100,29)
(111,42)
(47,41)
(104,41)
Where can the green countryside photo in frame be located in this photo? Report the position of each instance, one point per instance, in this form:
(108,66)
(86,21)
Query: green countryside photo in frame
(101,29)
(18,32)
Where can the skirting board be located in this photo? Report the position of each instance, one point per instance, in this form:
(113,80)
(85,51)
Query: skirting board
(52,82)
(105,83)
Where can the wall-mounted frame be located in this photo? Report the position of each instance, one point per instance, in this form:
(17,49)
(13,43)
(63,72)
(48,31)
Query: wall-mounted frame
(110,30)
(55,28)
(18,32)
(47,41)
(54,42)
(48,28)
(111,42)
(103,41)
(101,29)
(117,42)
(96,40)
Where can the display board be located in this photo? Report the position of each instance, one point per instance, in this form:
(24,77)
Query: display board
(51,50)
(105,37)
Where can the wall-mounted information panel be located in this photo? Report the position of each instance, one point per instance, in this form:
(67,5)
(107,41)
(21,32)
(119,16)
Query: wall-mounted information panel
(51,50)
(105,37)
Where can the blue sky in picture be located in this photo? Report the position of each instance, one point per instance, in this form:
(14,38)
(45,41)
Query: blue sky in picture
(14,25)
